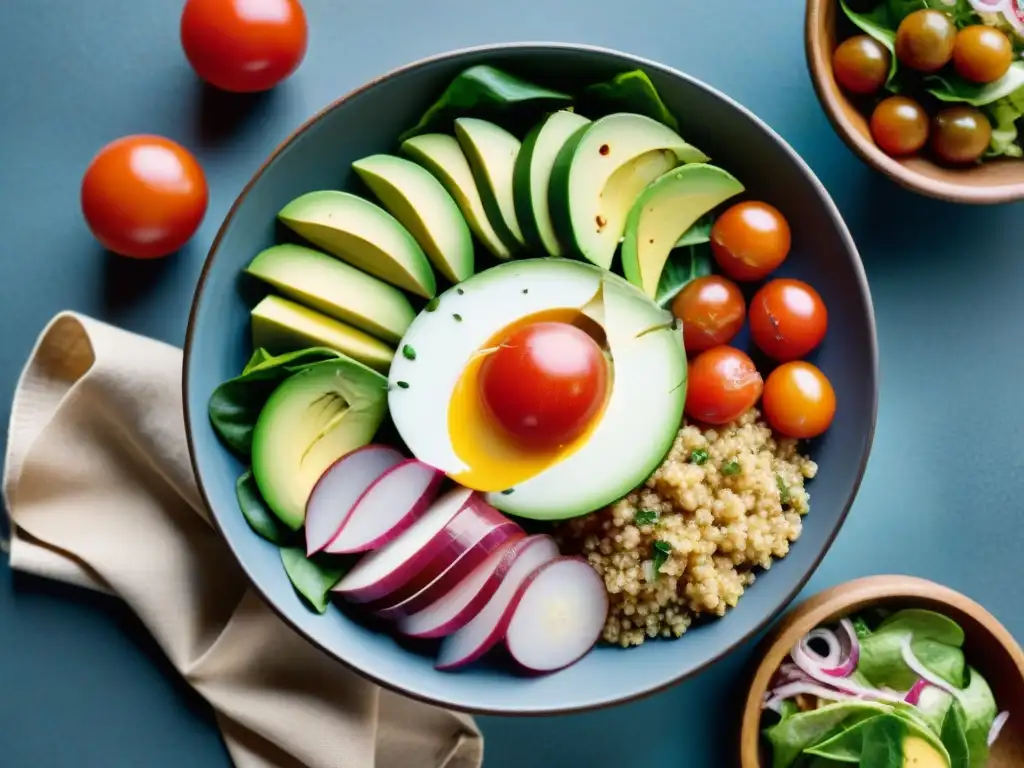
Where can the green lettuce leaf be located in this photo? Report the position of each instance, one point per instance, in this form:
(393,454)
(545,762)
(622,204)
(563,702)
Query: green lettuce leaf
(878,25)
(961,11)
(313,578)
(979,712)
(1005,115)
(953,88)
(683,266)
(257,513)
(631,92)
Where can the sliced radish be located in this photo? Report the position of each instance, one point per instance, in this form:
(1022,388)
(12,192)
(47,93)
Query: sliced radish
(387,507)
(340,487)
(559,613)
(382,572)
(487,628)
(419,592)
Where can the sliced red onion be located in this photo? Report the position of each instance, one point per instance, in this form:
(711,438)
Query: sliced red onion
(844,685)
(997,727)
(788,691)
(922,671)
(849,655)
(830,639)
(914,694)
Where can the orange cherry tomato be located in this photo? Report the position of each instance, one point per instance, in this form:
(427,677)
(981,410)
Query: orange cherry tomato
(787,319)
(722,385)
(712,309)
(750,240)
(144,196)
(798,400)
(244,45)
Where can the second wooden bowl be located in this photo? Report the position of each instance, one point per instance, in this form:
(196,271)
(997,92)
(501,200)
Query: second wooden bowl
(989,647)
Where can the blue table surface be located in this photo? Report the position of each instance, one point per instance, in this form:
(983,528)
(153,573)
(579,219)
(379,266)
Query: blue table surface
(82,683)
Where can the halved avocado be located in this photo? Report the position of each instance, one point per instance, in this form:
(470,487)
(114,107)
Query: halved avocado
(280,326)
(444,158)
(665,210)
(600,172)
(492,152)
(335,288)
(311,420)
(364,235)
(423,206)
(532,177)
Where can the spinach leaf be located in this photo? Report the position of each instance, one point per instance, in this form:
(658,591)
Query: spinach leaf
(954,738)
(313,577)
(485,91)
(235,405)
(788,709)
(259,357)
(257,513)
(883,744)
(791,736)
(878,25)
(960,11)
(848,746)
(979,711)
(699,233)
(953,88)
(1003,115)
(683,266)
(860,626)
(631,92)
(881,659)
(923,623)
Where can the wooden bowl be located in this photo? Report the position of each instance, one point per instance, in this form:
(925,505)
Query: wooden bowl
(990,182)
(989,647)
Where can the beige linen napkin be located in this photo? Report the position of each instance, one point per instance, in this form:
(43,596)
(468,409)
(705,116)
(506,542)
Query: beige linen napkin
(101,494)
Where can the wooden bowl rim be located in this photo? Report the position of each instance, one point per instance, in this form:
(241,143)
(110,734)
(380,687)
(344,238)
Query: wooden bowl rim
(833,601)
(818,65)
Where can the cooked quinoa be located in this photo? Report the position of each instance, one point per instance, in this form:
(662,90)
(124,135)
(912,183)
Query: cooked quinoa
(724,502)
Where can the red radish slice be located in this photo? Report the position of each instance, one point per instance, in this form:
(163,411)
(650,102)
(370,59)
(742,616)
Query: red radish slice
(340,487)
(487,628)
(408,600)
(382,572)
(559,613)
(390,505)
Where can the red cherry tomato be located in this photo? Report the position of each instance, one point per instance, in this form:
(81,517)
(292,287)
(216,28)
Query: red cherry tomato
(750,240)
(545,383)
(799,400)
(787,319)
(144,196)
(244,45)
(712,309)
(722,385)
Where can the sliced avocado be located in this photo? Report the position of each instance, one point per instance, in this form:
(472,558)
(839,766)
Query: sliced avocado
(492,152)
(335,289)
(280,326)
(311,420)
(532,177)
(666,209)
(443,157)
(364,235)
(423,206)
(600,172)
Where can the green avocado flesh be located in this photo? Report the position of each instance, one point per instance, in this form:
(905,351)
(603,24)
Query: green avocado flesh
(280,326)
(310,421)
(666,209)
(601,171)
(492,152)
(532,177)
(335,289)
(423,206)
(443,157)
(364,235)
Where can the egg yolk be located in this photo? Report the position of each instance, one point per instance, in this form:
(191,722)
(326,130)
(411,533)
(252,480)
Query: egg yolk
(529,398)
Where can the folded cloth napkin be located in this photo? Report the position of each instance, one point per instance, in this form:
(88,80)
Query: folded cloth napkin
(100,493)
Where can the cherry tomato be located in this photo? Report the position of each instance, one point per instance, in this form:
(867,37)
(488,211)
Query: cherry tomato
(244,45)
(982,54)
(722,385)
(960,134)
(861,64)
(545,383)
(144,196)
(925,40)
(712,310)
(787,319)
(750,240)
(899,126)
(798,400)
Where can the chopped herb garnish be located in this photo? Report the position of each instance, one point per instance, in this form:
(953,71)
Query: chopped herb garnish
(731,468)
(402,384)
(459,291)
(409,352)
(662,549)
(783,489)
(508,492)
(699,457)
(458,317)
(432,304)
(646,517)
(526,290)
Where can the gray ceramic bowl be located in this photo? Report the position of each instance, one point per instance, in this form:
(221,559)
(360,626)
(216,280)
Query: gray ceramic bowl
(368,120)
